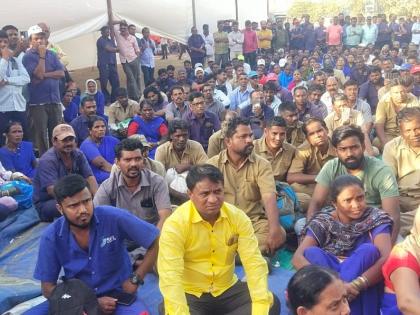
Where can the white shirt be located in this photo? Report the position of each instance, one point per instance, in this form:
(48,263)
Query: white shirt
(415,37)
(209,44)
(236,39)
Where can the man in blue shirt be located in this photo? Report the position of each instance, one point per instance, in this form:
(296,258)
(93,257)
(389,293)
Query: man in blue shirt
(107,64)
(89,244)
(45,71)
(240,96)
(62,159)
(147,56)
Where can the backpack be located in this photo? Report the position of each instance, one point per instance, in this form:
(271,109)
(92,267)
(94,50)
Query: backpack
(287,204)
(73,297)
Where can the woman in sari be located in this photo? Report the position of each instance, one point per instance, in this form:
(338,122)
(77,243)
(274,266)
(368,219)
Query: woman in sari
(402,273)
(352,239)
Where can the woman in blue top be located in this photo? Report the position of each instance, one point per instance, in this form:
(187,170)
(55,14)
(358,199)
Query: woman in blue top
(17,155)
(99,148)
(151,126)
(92,90)
(352,239)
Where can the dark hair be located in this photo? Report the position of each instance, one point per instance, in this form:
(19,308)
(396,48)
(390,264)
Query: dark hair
(350,82)
(315,87)
(300,88)
(207,85)
(175,87)
(145,102)
(177,124)
(318,74)
(306,286)
(128,144)
(170,67)
(86,99)
(3,34)
(9,27)
(103,28)
(287,106)
(123,23)
(68,186)
(313,120)
(339,97)
(155,90)
(10,124)
(233,124)
(209,77)
(121,92)
(375,69)
(270,86)
(220,71)
(346,131)
(93,119)
(161,71)
(131,25)
(277,121)
(197,173)
(187,61)
(408,114)
(341,182)
(194,95)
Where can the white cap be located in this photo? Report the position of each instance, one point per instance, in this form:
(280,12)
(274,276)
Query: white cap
(198,65)
(35,29)
(261,62)
(282,62)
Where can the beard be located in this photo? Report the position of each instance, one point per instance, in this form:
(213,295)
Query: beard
(80,226)
(353,163)
(247,150)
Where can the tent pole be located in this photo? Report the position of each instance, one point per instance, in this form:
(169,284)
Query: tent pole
(268,9)
(193,12)
(109,10)
(236,10)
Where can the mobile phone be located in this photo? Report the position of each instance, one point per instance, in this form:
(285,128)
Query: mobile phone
(123,298)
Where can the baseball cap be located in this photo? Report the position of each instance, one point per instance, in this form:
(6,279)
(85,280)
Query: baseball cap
(198,65)
(415,69)
(252,74)
(261,62)
(198,69)
(142,139)
(282,62)
(62,131)
(34,29)
(271,77)
(405,67)
(241,57)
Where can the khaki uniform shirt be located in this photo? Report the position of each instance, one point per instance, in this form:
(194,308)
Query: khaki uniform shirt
(116,113)
(405,164)
(309,160)
(245,186)
(386,114)
(280,163)
(216,144)
(295,135)
(193,154)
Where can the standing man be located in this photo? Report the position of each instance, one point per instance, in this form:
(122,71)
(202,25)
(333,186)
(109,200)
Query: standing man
(370,32)
(236,40)
(196,45)
(197,252)
(368,91)
(309,34)
(320,35)
(334,33)
(147,56)
(129,51)
(107,64)
(16,43)
(221,45)
(250,45)
(45,71)
(62,159)
(354,34)
(249,184)
(209,43)
(13,77)
(265,35)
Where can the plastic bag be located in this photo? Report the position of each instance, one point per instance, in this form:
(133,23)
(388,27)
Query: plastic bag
(24,199)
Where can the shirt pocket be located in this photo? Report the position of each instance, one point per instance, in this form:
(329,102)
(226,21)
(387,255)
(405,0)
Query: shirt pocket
(250,191)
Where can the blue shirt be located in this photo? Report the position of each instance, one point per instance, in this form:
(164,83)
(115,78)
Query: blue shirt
(104,149)
(285,79)
(106,264)
(237,97)
(45,91)
(147,57)
(19,161)
(105,57)
(51,168)
(72,110)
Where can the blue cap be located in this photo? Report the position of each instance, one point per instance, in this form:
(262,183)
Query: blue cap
(406,67)
(252,74)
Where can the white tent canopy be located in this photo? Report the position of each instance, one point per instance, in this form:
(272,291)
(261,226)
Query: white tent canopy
(74,24)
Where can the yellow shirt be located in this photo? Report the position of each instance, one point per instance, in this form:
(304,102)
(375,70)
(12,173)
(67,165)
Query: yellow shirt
(196,258)
(265,43)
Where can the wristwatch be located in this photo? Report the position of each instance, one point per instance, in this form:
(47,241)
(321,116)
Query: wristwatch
(135,279)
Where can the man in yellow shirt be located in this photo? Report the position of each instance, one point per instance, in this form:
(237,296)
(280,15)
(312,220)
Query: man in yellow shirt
(265,36)
(197,250)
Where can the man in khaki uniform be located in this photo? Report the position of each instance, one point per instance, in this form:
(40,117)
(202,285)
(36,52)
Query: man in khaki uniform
(217,139)
(249,184)
(386,112)
(310,157)
(122,109)
(274,149)
(402,154)
(294,134)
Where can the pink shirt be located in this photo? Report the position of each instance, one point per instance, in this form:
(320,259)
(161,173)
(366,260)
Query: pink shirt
(334,34)
(250,41)
(128,47)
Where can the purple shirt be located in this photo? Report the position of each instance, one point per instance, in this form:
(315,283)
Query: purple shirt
(45,91)
(201,129)
(369,93)
(284,95)
(360,75)
(51,168)
(105,57)
(320,34)
(384,32)
(196,41)
(312,110)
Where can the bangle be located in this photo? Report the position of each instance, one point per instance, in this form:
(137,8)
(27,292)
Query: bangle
(361,283)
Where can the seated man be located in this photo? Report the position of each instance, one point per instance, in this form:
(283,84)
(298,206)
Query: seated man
(402,155)
(249,184)
(274,149)
(60,160)
(99,148)
(315,92)
(211,104)
(135,188)
(310,157)
(203,123)
(354,102)
(294,134)
(305,108)
(80,123)
(379,182)
(386,112)
(87,242)
(196,266)
(178,155)
(178,107)
(122,110)
(217,139)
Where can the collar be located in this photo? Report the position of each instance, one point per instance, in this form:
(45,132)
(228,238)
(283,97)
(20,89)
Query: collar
(196,217)
(58,156)
(186,150)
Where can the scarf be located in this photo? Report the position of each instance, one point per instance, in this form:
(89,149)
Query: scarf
(338,238)
(96,87)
